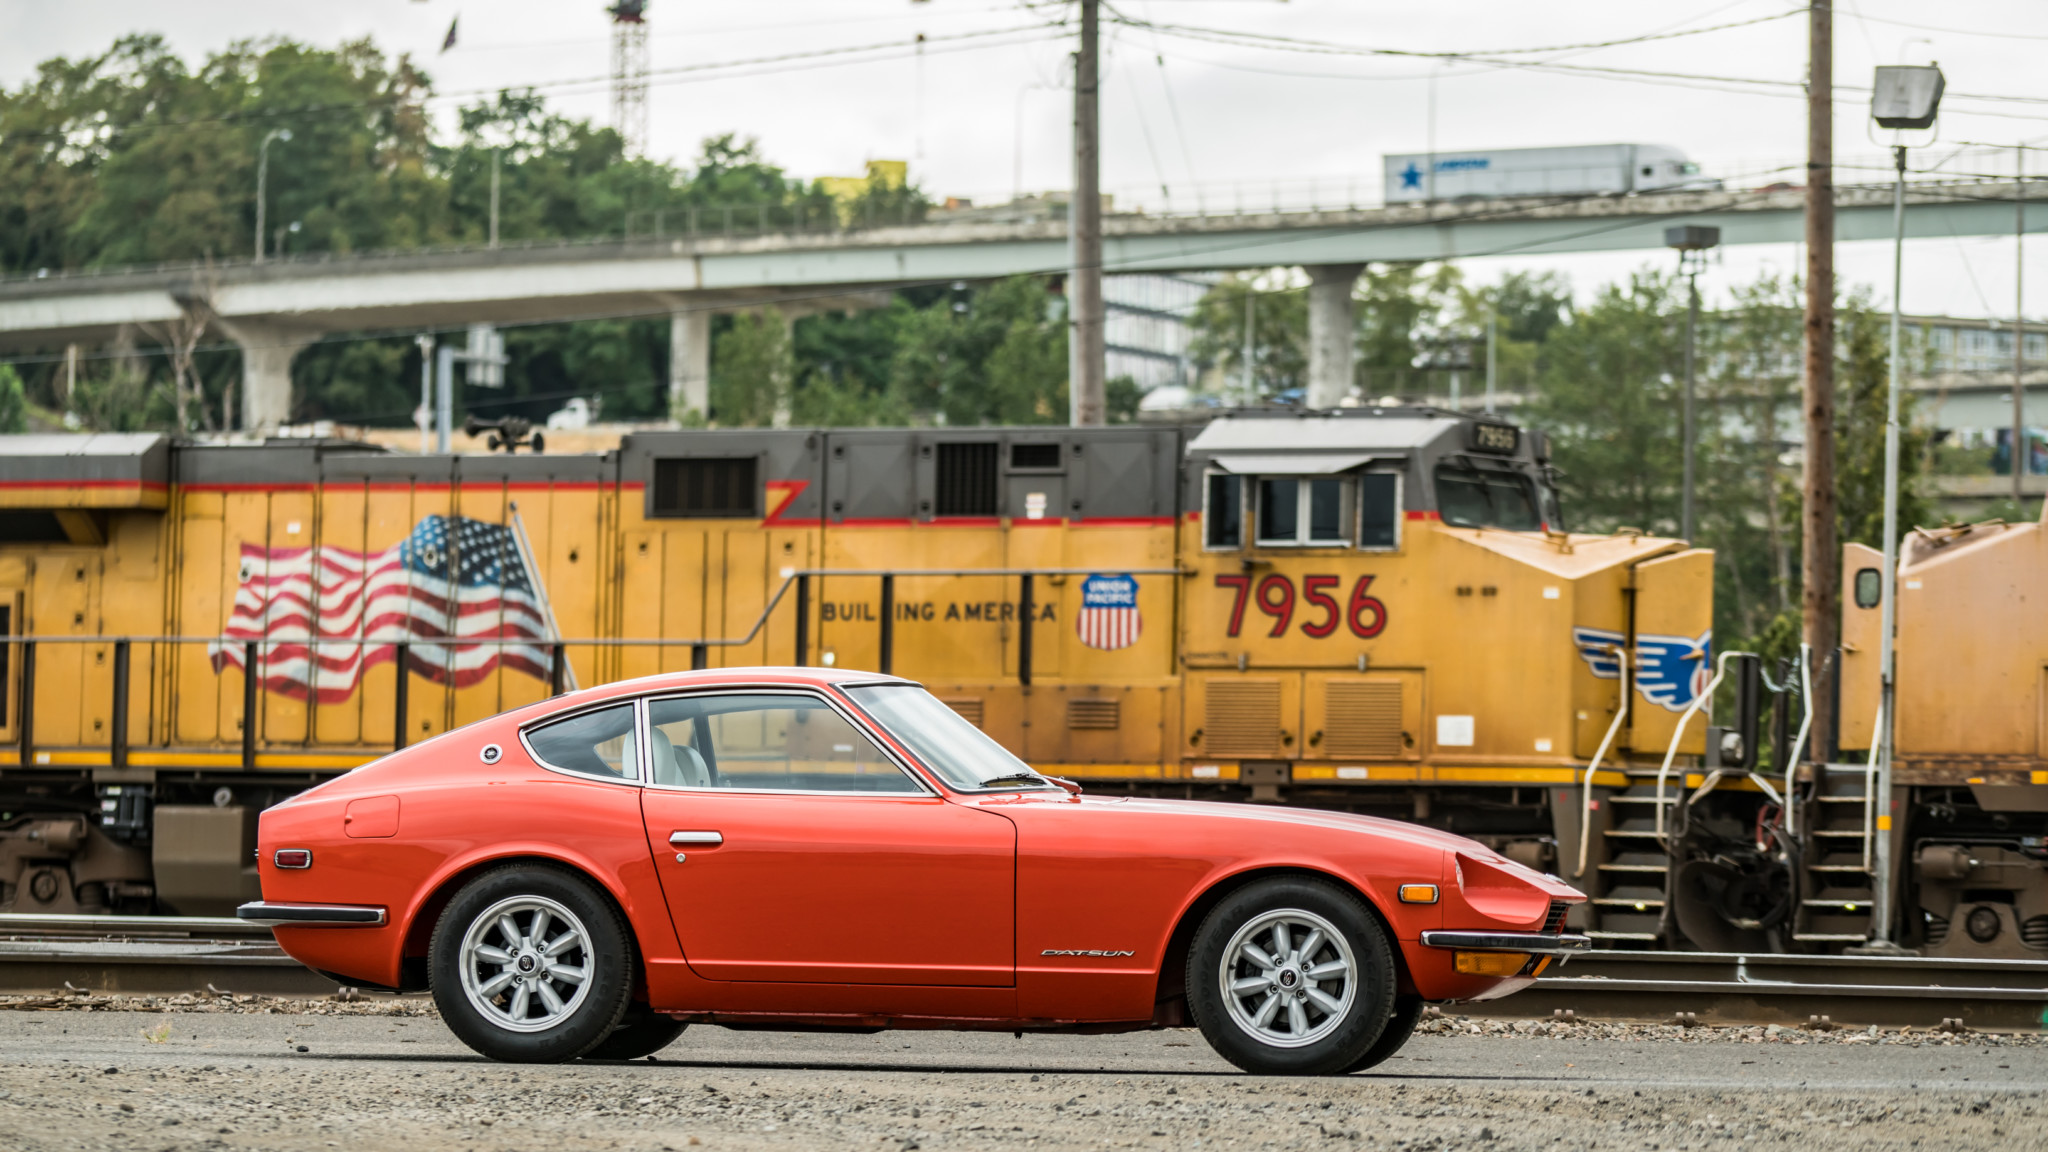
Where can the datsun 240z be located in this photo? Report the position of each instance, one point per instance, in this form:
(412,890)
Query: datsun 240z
(809,848)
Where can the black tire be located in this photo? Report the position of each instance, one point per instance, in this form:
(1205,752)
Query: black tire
(1328,1042)
(641,1033)
(603,951)
(1400,1026)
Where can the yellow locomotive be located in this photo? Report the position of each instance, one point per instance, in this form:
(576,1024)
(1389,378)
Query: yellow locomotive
(1373,609)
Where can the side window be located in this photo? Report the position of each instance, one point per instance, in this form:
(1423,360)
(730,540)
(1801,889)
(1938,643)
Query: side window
(598,744)
(1223,517)
(1304,510)
(1379,510)
(765,743)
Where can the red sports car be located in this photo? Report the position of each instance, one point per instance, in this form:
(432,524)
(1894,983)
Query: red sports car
(808,848)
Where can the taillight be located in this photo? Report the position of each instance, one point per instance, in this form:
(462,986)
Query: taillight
(292,858)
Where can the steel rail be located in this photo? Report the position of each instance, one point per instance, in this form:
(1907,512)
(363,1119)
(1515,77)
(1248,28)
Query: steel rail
(1751,989)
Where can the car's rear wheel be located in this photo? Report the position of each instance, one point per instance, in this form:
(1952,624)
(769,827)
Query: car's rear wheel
(643,1032)
(531,964)
(1400,1026)
(1291,976)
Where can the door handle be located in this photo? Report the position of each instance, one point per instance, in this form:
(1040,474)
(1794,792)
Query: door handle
(681,837)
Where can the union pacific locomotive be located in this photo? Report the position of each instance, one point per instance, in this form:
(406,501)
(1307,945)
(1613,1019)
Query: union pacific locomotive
(1379,610)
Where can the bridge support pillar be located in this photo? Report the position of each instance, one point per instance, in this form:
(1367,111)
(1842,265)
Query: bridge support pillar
(268,349)
(1332,333)
(689,365)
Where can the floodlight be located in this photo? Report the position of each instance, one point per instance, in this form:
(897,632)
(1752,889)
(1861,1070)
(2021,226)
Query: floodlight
(1906,95)
(1692,237)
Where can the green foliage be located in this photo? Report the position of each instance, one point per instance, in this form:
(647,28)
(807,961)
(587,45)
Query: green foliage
(1862,378)
(752,367)
(1609,397)
(13,401)
(1121,396)
(992,355)
(1279,328)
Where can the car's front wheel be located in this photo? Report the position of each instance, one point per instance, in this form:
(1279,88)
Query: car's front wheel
(1291,976)
(531,964)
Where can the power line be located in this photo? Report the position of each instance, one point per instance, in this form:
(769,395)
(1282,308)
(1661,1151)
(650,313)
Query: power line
(685,73)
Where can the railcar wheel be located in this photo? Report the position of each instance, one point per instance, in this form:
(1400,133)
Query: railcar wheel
(1291,977)
(531,965)
(1400,1026)
(641,1033)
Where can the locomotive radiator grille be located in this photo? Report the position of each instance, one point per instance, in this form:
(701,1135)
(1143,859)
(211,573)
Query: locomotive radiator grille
(1362,720)
(1242,717)
(1094,715)
(967,706)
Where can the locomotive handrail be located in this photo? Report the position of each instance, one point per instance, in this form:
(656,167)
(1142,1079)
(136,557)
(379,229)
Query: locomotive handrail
(256,649)
(1607,741)
(1699,700)
(1789,805)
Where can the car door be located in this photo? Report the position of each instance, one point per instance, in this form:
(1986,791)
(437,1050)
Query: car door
(792,848)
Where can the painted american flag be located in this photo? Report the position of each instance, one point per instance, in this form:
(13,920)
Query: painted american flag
(1109,612)
(452,580)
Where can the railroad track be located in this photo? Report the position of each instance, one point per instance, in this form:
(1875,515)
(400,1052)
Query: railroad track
(1736,988)
(169,955)
(148,955)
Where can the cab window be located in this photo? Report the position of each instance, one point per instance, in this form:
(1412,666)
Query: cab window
(1223,511)
(597,744)
(1475,498)
(764,742)
(1304,510)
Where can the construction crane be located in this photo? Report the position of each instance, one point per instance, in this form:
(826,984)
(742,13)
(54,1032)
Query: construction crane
(629,73)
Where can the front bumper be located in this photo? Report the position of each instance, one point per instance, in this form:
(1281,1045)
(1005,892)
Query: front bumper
(311,915)
(1538,943)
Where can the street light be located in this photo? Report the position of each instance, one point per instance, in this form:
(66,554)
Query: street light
(1903,97)
(1692,242)
(262,175)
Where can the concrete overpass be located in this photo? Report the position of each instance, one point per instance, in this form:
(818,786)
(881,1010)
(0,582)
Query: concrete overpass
(275,309)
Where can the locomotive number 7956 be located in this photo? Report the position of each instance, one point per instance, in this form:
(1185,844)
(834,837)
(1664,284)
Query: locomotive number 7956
(1365,615)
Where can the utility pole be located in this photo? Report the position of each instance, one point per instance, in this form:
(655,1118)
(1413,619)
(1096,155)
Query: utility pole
(1087,406)
(2019,333)
(496,153)
(1251,301)
(1492,339)
(263,180)
(1820,566)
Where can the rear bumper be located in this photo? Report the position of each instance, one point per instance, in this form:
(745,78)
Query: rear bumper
(1539,943)
(312,915)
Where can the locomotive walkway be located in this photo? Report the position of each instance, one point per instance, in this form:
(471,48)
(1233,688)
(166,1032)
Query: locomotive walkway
(276,308)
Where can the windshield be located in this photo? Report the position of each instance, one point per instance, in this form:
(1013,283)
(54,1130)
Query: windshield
(1468,498)
(963,755)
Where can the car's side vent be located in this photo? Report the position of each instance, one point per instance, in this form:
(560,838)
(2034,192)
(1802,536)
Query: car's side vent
(1362,719)
(1241,717)
(967,706)
(966,480)
(1094,715)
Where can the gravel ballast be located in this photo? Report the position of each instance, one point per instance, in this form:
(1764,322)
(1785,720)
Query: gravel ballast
(230,1072)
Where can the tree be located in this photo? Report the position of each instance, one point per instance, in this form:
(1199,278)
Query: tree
(1863,340)
(1608,395)
(13,401)
(990,355)
(1279,326)
(751,371)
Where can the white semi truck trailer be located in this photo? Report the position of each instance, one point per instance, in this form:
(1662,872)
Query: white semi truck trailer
(1586,169)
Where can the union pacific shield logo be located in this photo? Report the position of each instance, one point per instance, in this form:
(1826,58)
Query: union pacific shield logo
(1109,612)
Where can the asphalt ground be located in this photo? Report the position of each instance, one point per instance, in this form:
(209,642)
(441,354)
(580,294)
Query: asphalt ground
(265,1075)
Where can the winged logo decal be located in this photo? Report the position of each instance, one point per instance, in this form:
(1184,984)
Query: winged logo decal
(1670,671)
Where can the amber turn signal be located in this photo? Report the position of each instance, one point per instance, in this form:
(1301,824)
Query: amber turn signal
(292,858)
(1490,963)
(1418,894)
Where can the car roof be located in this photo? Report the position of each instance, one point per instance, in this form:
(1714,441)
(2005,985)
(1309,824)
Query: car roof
(764,677)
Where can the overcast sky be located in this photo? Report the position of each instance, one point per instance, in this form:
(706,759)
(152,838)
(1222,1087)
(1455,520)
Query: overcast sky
(1187,119)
